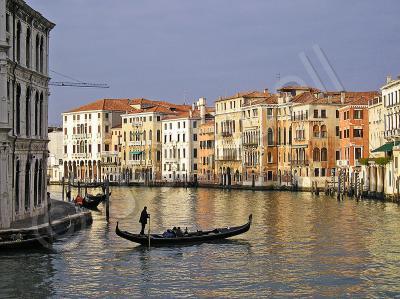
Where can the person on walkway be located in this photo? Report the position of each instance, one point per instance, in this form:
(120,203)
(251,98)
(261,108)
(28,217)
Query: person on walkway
(143,219)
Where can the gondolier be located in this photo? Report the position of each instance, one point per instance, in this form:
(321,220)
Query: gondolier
(143,219)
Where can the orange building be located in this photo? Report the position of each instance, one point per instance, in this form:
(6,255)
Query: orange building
(354,133)
(206,172)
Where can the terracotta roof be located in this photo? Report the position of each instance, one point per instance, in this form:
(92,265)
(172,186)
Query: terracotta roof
(297,87)
(183,114)
(351,98)
(266,99)
(306,97)
(246,94)
(105,104)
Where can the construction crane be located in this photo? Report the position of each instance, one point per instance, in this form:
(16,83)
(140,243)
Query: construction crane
(76,83)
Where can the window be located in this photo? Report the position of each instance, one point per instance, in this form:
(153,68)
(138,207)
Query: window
(194,137)
(19,42)
(184,137)
(165,126)
(106,147)
(337,131)
(324,154)
(195,124)
(7,22)
(165,138)
(358,114)
(195,166)
(106,115)
(316,155)
(195,153)
(125,120)
(357,153)
(184,154)
(158,135)
(170,126)
(107,129)
(357,132)
(158,118)
(65,149)
(28,48)
(315,113)
(270,137)
(337,113)
(99,148)
(323,113)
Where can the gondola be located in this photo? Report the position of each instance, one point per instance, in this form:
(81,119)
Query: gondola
(100,196)
(190,238)
(91,202)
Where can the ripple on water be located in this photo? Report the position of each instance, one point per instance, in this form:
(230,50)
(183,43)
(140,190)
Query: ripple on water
(299,245)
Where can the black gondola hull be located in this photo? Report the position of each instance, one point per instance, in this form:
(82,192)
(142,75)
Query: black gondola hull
(192,238)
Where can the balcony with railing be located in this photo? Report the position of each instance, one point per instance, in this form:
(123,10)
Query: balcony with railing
(226,134)
(79,155)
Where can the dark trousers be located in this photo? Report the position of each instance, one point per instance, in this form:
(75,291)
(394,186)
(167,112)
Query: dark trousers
(143,226)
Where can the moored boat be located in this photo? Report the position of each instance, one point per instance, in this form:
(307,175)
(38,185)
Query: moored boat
(190,238)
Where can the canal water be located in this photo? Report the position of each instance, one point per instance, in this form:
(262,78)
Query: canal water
(298,245)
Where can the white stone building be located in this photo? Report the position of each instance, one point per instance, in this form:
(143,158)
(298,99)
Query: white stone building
(55,169)
(88,153)
(180,147)
(24,44)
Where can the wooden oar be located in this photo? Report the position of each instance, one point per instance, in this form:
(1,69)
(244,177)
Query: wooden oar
(149,232)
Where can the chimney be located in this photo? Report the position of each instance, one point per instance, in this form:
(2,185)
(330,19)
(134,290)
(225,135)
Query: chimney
(388,79)
(202,107)
(190,114)
(342,97)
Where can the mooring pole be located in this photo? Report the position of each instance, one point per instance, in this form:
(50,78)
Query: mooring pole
(148,234)
(63,188)
(107,199)
(69,189)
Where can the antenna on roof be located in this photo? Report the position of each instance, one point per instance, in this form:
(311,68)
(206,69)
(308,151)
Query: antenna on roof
(278,76)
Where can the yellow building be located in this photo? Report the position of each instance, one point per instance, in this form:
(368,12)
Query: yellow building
(142,139)
(259,140)
(228,137)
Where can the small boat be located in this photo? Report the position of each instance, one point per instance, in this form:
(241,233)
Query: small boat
(25,241)
(91,202)
(88,185)
(100,196)
(190,238)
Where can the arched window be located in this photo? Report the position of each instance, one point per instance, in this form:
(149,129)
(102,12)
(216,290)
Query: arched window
(36,184)
(41,114)
(28,47)
(316,155)
(270,137)
(269,157)
(27,185)
(37,114)
(37,50)
(150,134)
(18,111)
(323,131)
(41,54)
(40,184)
(324,154)
(144,135)
(28,112)
(16,188)
(18,42)
(316,131)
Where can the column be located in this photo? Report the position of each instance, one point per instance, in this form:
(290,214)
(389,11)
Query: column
(372,179)
(379,185)
(366,179)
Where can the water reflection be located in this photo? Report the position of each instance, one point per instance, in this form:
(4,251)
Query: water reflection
(299,245)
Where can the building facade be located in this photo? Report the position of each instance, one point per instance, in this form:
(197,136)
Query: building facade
(88,153)
(24,40)
(259,150)
(206,152)
(181,144)
(55,165)
(142,138)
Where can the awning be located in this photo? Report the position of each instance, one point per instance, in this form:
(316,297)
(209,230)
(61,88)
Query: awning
(136,152)
(387,147)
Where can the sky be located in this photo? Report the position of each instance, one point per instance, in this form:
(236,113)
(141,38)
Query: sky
(180,50)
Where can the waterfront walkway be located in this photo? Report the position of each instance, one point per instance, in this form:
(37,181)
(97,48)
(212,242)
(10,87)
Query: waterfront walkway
(60,211)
